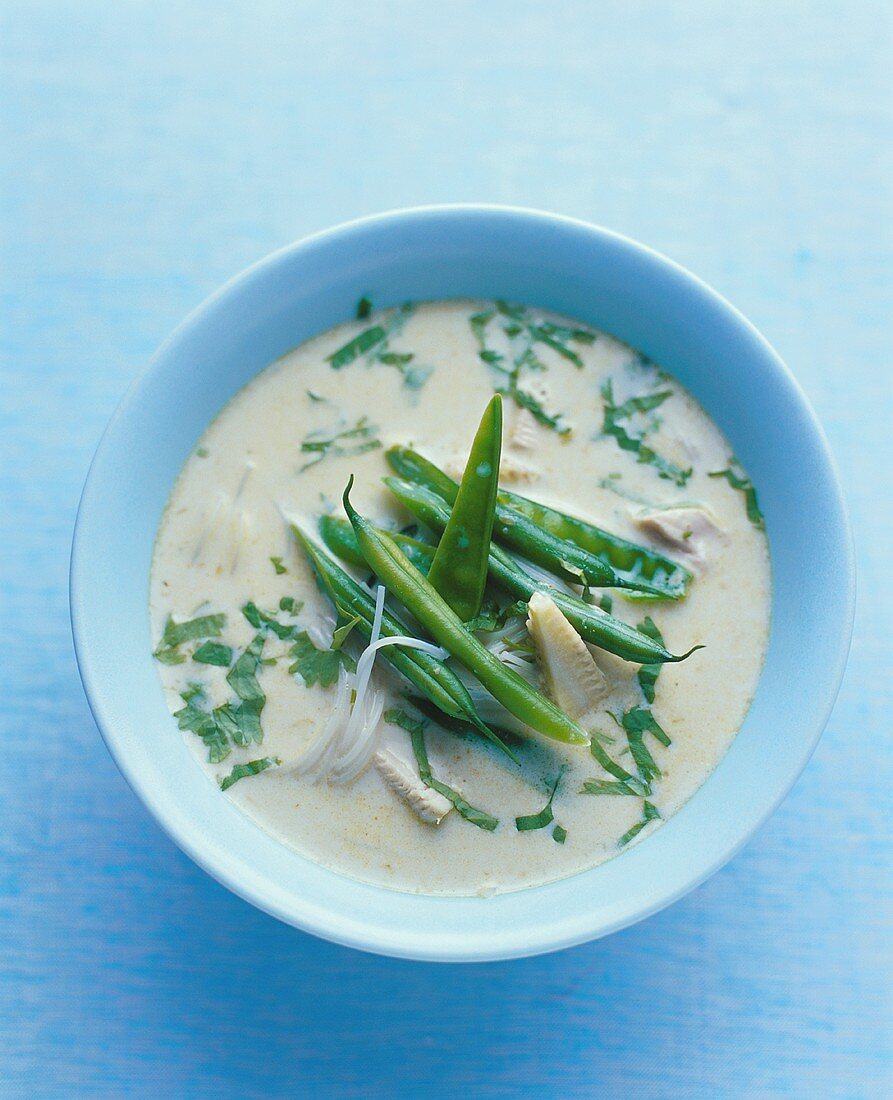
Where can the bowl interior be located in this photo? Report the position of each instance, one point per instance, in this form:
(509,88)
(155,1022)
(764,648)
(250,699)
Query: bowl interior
(589,274)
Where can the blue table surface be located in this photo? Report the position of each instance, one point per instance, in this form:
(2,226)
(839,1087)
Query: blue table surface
(151,150)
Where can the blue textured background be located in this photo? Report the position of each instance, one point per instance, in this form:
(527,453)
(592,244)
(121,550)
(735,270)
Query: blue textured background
(152,150)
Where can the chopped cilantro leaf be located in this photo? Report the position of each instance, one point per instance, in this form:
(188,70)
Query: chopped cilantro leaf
(559,834)
(175,634)
(200,722)
(253,767)
(263,620)
(278,566)
(213,653)
(317,666)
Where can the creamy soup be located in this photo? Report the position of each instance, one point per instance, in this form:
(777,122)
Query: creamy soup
(260,667)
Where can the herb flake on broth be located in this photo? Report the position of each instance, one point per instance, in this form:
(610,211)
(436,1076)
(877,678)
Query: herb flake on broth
(343,442)
(635,443)
(737,478)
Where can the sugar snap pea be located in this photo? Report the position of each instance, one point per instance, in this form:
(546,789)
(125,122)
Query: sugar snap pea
(427,674)
(459,569)
(518,531)
(406,583)
(593,624)
(338,536)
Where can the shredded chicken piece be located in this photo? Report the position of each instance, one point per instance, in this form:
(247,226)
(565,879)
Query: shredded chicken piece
(524,431)
(427,804)
(689,532)
(570,672)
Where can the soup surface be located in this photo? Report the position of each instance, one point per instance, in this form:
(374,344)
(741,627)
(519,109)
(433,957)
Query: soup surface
(245,636)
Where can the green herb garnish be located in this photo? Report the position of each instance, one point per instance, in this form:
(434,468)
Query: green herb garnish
(610,786)
(524,333)
(613,414)
(647,674)
(278,566)
(200,722)
(175,634)
(340,444)
(559,834)
(544,817)
(242,678)
(201,452)
(317,666)
(738,479)
(649,813)
(253,767)
(264,620)
(213,653)
(340,636)
(636,723)
(416,731)
(364,308)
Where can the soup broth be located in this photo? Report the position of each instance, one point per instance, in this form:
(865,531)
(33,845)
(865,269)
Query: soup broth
(244,634)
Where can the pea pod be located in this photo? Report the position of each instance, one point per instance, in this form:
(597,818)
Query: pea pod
(520,533)
(594,625)
(422,600)
(631,561)
(459,569)
(427,674)
(338,536)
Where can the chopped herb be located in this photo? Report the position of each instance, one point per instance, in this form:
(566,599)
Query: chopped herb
(525,400)
(610,786)
(738,479)
(601,755)
(636,722)
(416,731)
(263,620)
(201,452)
(317,666)
(522,329)
(290,604)
(315,396)
(649,813)
(253,767)
(544,817)
(200,722)
(353,349)
(175,634)
(493,617)
(364,308)
(242,678)
(647,674)
(559,834)
(340,444)
(278,566)
(343,632)
(213,653)
(613,414)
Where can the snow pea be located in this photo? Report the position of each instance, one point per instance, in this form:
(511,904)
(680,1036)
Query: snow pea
(385,558)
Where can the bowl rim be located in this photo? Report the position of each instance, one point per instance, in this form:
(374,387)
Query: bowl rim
(315,919)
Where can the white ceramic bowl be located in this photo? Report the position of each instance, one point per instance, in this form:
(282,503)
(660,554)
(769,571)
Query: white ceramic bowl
(442,252)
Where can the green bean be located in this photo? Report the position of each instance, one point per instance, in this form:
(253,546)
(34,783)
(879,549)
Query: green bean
(421,599)
(633,562)
(338,535)
(594,625)
(459,569)
(427,674)
(520,533)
